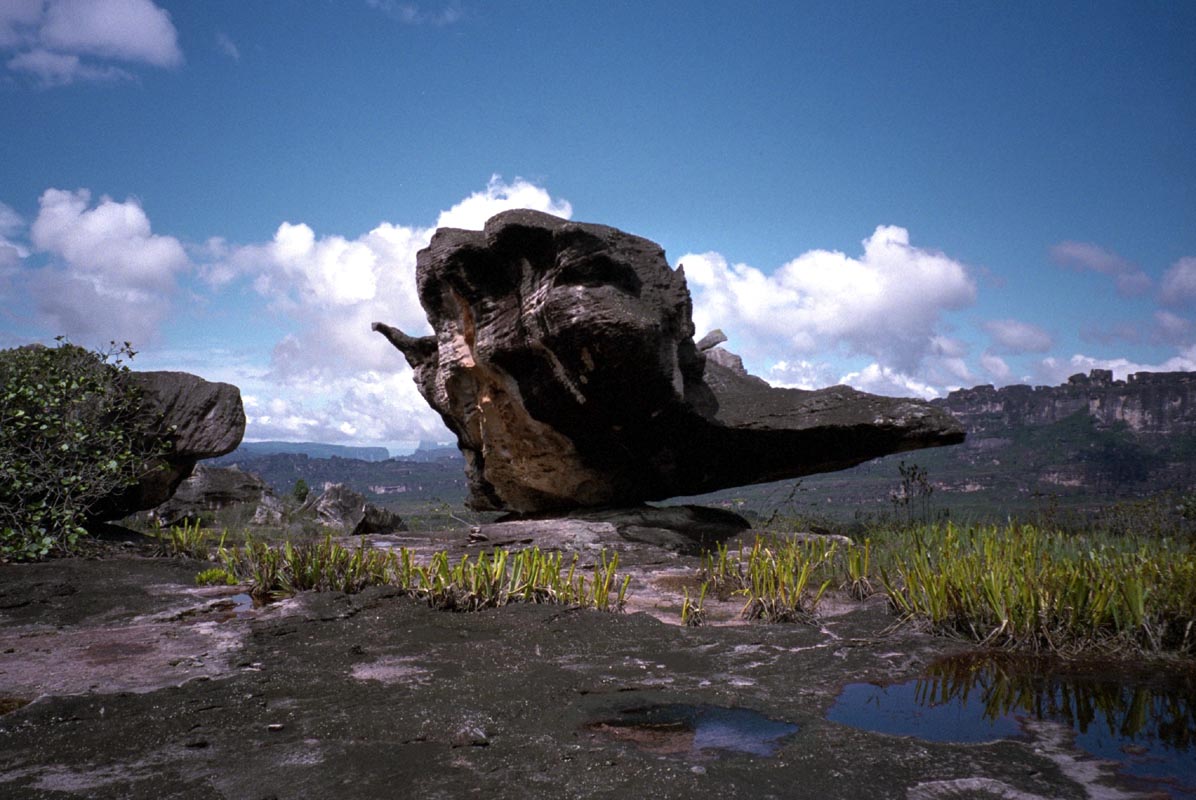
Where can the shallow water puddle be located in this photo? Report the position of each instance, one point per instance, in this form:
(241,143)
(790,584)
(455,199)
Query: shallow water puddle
(243,604)
(696,730)
(237,606)
(1144,723)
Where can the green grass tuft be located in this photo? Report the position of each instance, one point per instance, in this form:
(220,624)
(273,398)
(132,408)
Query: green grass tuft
(486,581)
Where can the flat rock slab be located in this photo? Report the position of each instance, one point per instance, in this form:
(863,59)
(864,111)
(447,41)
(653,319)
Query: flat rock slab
(116,625)
(375,696)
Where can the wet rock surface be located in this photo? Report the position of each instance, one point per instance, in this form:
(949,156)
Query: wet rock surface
(563,359)
(374,695)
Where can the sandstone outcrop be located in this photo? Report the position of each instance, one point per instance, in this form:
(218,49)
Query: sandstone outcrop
(210,489)
(341,508)
(563,359)
(201,419)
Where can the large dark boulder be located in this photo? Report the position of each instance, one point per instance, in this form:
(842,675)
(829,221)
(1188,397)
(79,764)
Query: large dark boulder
(563,359)
(198,418)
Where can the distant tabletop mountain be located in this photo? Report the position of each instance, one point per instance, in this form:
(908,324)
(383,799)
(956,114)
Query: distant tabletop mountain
(1085,443)
(434,451)
(311,449)
(1148,403)
(1089,442)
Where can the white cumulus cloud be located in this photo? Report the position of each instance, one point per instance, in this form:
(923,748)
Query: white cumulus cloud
(227,46)
(800,374)
(60,69)
(1053,370)
(996,367)
(64,41)
(886,304)
(11,224)
(415,14)
(18,19)
(1172,328)
(472,212)
(108,275)
(887,381)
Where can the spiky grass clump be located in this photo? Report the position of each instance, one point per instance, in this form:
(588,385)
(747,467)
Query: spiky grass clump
(485,581)
(779,577)
(501,577)
(693,612)
(1024,588)
(187,540)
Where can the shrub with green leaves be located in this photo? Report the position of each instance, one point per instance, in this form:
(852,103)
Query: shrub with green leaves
(72,433)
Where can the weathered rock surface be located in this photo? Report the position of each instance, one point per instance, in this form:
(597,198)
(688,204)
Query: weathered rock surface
(144,686)
(210,489)
(202,419)
(341,508)
(563,359)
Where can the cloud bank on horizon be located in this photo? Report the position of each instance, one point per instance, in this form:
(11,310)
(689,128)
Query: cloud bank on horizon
(285,313)
(94,270)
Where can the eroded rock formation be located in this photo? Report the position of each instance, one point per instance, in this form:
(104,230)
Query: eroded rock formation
(563,359)
(202,419)
(211,489)
(341,508)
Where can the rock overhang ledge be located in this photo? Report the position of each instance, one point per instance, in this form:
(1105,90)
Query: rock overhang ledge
(563,358)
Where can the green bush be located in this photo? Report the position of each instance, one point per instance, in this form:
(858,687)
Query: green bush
(72,434)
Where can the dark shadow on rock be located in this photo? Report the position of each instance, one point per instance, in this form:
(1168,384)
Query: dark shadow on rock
(681,529)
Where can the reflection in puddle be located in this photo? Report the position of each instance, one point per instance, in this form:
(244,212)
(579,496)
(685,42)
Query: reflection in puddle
(236,606)
(243,604)
(1145,723)
(681,730)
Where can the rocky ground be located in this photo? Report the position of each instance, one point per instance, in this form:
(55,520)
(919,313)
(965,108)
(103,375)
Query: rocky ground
(119,678)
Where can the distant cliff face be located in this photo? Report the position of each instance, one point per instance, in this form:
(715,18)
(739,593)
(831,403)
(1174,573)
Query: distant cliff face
(1148,403)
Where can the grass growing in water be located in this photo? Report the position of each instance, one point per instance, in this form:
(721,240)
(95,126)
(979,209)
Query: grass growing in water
(1025,588)
(1016,587)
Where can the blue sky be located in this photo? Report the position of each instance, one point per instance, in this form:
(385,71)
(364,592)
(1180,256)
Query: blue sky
(908,197)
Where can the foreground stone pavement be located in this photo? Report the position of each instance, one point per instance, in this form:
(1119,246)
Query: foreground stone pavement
(152,688)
